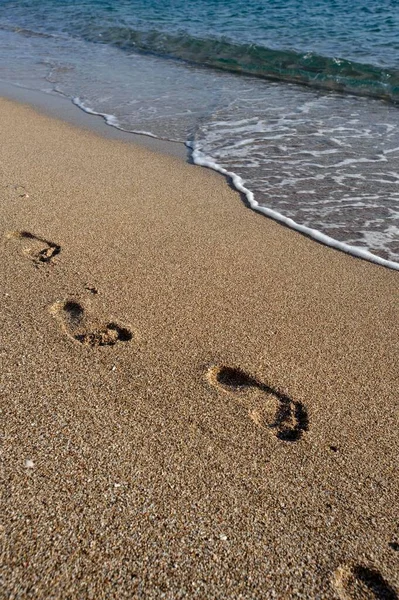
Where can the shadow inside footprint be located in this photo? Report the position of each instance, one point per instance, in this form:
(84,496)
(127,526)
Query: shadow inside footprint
(73,313)
(273,410)
(37,249)
(235,379)
(363,582)
(86,331)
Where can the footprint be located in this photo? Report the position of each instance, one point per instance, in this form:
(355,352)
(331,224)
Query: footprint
(91,288)
(77,325)
(362,583)
(16,192)
(268,408)
(37,249)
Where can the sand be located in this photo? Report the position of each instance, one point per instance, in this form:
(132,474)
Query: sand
(196,402)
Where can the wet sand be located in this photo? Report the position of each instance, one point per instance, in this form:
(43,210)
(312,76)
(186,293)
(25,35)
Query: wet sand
(196,402)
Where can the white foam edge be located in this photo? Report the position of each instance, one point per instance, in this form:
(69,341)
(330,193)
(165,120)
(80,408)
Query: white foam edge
(109,119)
(201,159)
(113,121)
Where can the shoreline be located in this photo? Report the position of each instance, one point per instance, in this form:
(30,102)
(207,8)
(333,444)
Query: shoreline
(57,106)
(314,234)
(60,107)
(196,401)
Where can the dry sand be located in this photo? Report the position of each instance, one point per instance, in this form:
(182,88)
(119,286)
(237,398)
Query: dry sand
(196,402)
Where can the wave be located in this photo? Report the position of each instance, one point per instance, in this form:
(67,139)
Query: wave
(309,69)
(26,31)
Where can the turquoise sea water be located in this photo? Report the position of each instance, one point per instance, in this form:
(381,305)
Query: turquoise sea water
(298,99)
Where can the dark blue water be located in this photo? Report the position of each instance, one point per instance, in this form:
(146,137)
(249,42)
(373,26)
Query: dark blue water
(333,43)
(297,98)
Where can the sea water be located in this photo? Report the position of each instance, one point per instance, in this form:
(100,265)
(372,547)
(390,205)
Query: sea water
(298,101)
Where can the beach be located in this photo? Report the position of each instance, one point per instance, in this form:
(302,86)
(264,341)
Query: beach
(196,401)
